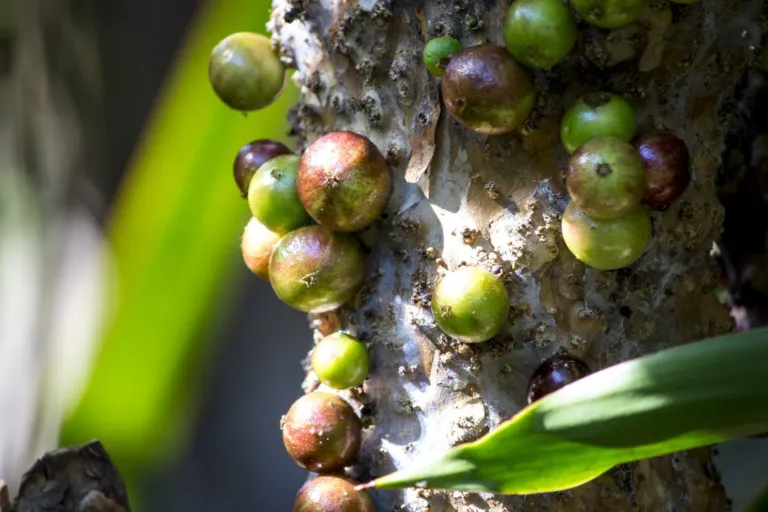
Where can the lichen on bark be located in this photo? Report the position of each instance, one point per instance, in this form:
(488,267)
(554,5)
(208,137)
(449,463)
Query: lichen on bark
(496,202)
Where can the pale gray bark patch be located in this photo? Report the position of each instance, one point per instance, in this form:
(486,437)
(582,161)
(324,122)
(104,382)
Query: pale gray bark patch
(496,202)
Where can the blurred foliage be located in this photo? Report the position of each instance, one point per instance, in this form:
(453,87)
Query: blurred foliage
(174,237)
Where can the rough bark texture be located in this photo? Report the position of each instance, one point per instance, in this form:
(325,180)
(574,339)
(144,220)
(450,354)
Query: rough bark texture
(495,201)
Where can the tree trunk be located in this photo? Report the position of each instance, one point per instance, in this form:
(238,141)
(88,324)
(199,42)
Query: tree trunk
(496,202)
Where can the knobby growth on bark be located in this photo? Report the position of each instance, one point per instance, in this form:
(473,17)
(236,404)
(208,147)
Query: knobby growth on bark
(495,202)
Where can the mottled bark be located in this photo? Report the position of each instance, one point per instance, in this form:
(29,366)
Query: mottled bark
(496,201)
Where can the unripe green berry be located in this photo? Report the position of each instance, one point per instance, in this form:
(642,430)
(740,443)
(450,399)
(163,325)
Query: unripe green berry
(245,72)
(252,156)
(609,13)
(438,52)
(470,304)
(539,33)
(273,198)
(606,244)
(598,114)
(340,361)
(606,177)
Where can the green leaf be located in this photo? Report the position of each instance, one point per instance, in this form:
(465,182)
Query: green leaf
(681,398)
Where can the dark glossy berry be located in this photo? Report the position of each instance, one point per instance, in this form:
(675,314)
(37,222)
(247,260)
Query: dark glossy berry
(340,361)
(486,90)
(599,114)
(314,269)
(438,52)
(343,181)
(321,432)
(332,494)
(273,198)
(256,246)
(667,163)
(606,178)
(245,72)
(606,244)
(539,33)
(251,157)
(554,373)
(470,304)
(609,13)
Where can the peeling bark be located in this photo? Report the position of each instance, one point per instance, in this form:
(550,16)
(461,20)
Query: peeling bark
(496,202)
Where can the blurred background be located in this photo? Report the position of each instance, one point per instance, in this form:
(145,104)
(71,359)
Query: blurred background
(126,313)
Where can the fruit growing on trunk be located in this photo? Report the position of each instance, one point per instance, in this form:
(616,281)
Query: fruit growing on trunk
(667,165)
(332,494)
(314,269)
(321,432)
(273,198)
(251,157)
(343,181)
(340,361)
(607,244)
(245,72)
(609,13)
(599,114)
(256,246)
(470,304)
(606,178)
(554,373)
(438,52)
(539,33)
(486,90)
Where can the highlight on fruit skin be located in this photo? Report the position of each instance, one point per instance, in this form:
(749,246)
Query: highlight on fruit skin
(539,33)
(272,195)
(487,91)
(251,157)
(245,72)
(256,246)
(315,270)
(608,244)
(321,432)
(470,304)
(340,361)
(597,114)
(327,493)
(343,181)
(606,178)
(554,373)
(668,167)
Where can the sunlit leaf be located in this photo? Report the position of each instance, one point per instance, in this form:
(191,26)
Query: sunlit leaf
(685,397)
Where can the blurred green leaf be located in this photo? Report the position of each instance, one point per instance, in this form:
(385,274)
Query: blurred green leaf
(760,503)
(685,397)
(175,237)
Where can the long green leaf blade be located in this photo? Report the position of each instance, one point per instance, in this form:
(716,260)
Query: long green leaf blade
(681,398)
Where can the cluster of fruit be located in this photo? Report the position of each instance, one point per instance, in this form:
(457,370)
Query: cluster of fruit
(342,183)
(305,207)
(486,89)
(303,210)
(609,178)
